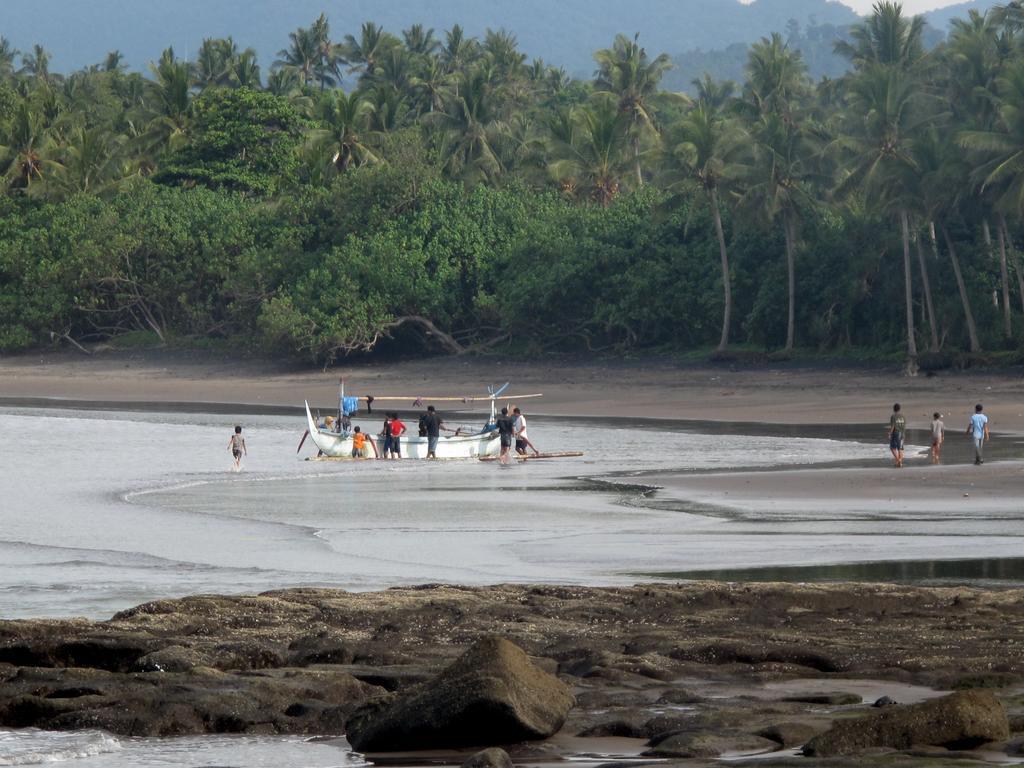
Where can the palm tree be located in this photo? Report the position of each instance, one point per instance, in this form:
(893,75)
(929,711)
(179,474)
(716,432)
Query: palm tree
(169,103)
(394,70)
(420,41)
(714,94)
(365,53)
(777,184)
(625,71)
(702,148)
(776,77)
(390,111)
(303,56)
(430,82)
(284,81)
(345,120)
(36,64)
(213,65)
(458,52)
(470,126)
(90,162)
(244,71)
(590,149)
(328,66)
(502,48)
(886,37)
(977,56)
(113,62)
(998,154)
(25,149)
(883,115)
(7,56)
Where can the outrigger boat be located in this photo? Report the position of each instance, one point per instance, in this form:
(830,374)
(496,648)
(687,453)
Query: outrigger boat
(460,445)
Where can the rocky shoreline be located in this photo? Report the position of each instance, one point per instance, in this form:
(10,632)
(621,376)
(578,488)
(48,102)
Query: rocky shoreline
(694,670)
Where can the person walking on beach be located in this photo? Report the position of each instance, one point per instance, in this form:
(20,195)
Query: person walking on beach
(897,430)
(506,429)
(978,430)
(397,430)
(522,441)
(938,435)
(432,424)
(237,447)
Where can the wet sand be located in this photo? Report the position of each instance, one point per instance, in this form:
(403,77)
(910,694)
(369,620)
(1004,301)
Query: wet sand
(949,489)
(635,388)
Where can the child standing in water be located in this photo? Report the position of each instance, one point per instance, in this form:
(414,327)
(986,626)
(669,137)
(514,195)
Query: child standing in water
(358,443)
(237,447)
(938,435)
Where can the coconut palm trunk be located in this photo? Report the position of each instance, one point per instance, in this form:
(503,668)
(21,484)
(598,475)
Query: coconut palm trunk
(1014,259)
(636,161)
(929,307)
(789,225)
(726,287)
(1003,274)
(908,291)
(972,329)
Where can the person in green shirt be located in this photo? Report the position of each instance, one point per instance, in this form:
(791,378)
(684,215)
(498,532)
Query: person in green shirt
(897,430)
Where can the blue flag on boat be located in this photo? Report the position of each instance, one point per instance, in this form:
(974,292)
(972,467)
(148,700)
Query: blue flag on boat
(349,405)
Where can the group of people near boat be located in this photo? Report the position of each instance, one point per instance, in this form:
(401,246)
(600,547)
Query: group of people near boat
(511,429)
(977,430)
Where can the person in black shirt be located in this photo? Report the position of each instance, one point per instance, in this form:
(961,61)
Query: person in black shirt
(432,424)
(506,429)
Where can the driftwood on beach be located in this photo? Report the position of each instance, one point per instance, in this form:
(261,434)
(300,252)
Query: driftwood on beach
(302,661)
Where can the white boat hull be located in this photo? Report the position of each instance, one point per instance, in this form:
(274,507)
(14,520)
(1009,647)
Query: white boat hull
(414,447)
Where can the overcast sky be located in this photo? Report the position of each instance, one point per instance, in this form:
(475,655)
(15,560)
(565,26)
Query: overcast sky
(863,7)
(909,6)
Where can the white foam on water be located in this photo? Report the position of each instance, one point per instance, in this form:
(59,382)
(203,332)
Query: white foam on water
(35,747)
(95,749)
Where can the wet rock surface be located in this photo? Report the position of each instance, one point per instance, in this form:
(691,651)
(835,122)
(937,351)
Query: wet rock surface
(962,720)
(701,667)
(492,694)
(495,757)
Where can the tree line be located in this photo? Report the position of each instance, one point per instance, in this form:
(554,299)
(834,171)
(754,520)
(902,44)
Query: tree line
(446,191)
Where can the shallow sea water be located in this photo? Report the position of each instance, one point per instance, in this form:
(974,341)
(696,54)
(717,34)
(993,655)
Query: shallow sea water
(104,510)
(101,510)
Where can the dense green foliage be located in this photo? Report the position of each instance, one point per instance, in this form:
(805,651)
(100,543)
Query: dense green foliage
(460,196)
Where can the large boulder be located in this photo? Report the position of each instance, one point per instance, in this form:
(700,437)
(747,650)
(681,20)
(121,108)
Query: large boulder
(492,694)
(959,721)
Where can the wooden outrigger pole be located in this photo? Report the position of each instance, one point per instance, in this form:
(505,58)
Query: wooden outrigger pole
(467,399)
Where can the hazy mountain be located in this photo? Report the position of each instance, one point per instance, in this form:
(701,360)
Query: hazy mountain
(565,33)
(940,19)
(816,42)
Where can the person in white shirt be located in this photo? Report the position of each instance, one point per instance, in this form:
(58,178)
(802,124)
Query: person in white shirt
(522,441)
(978,430)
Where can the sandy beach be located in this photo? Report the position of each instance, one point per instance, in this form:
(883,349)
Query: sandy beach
(649,388)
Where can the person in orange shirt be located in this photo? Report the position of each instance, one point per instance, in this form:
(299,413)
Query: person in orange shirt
(359,442)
